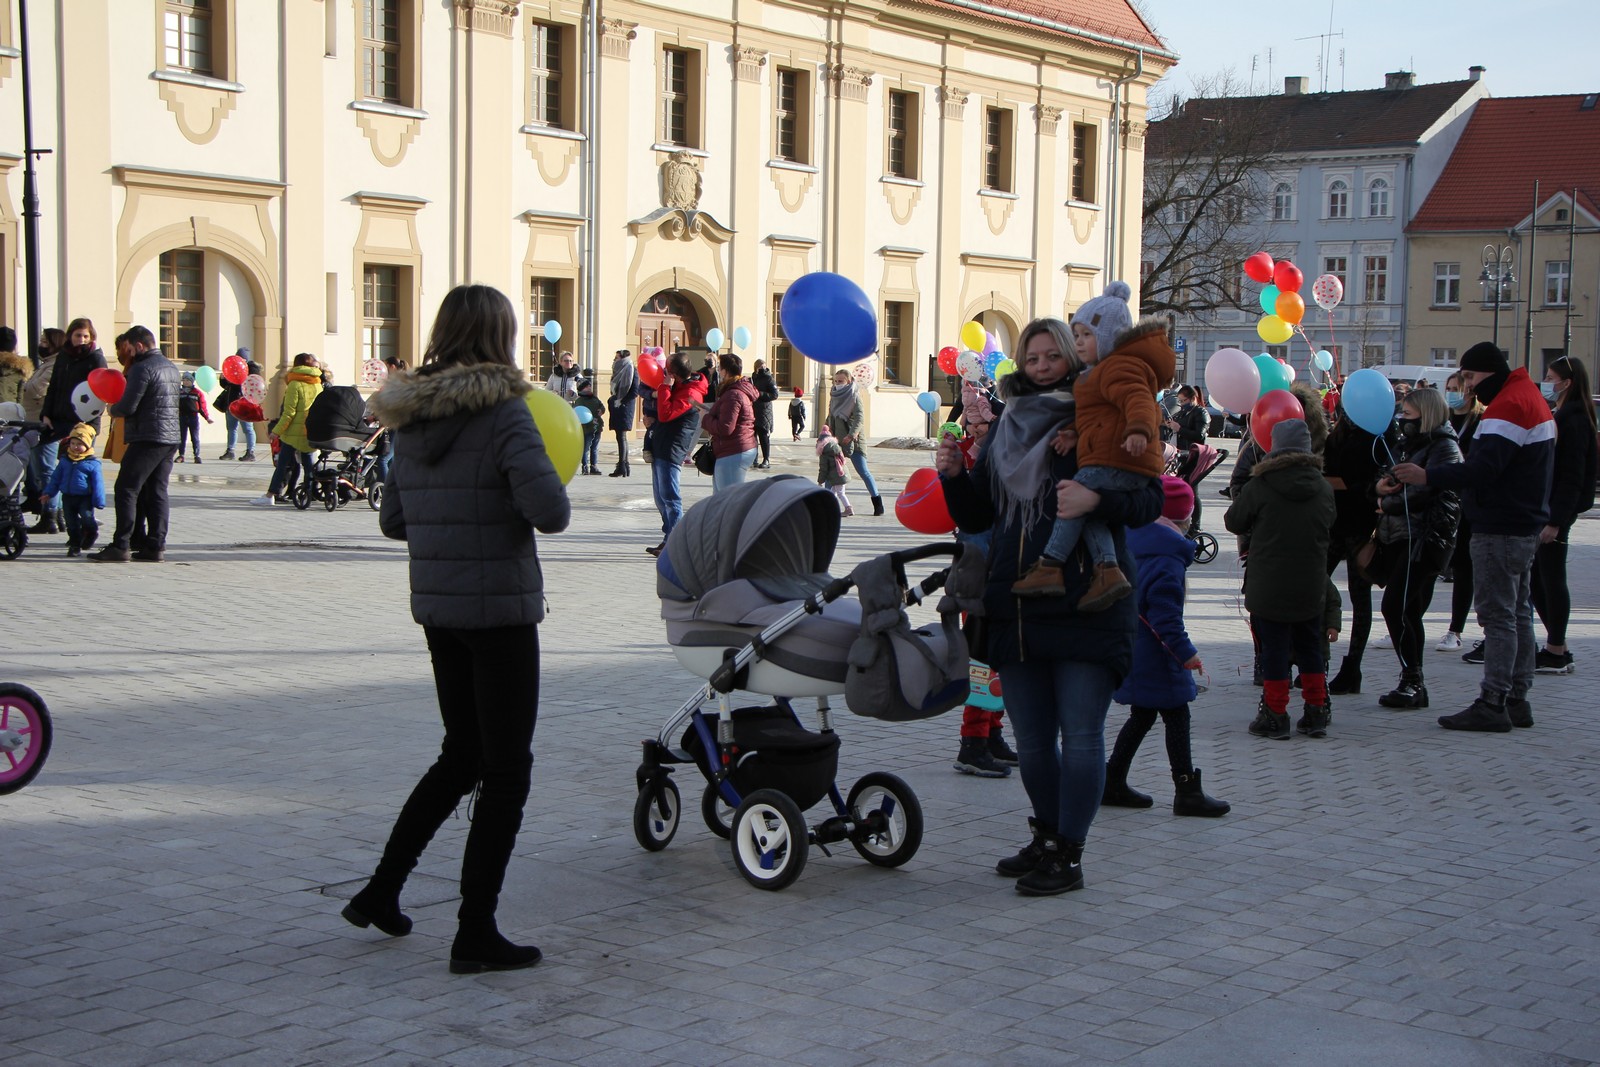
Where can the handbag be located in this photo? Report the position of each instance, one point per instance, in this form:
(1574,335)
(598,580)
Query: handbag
(705,461)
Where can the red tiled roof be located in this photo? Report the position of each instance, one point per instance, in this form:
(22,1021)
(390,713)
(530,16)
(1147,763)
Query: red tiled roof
(1508,144)
(1111,18)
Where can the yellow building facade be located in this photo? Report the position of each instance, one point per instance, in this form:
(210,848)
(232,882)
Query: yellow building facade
(314,175)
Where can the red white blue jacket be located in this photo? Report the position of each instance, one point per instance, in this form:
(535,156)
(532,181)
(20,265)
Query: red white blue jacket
(1506,475)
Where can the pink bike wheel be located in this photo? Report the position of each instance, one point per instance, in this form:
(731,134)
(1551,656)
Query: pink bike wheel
(25,734)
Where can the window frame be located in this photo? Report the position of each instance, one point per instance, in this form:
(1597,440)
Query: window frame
(908,135)
(1339,188)
(174,303)
(1283,202)
(689,100)
(898,342)
(1375,279)
(223,65)
(541,76)
(1085,151)
(999,149)
(1378,186)
(197,13)
(1557,282)
(543,303)
(1443,357)
(376,51)
(1343,271)
(1446,279)
(795,115)
(371,322)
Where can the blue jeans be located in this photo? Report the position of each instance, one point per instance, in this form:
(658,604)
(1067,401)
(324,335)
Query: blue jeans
(249,428)
(729,470)
(591,450)
(1058,713)
(858,458)
(41,465)
(283,474)
(189,430)
(664,486)
(78,510)
(1064,535)
(1502,575)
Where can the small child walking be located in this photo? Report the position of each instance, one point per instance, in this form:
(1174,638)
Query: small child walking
(1161,683)
(594,427)
(82,487)
(1117,422)
(830,468)
(797,413)
(191,406)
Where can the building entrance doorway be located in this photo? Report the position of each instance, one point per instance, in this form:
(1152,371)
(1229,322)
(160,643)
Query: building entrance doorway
(668,321)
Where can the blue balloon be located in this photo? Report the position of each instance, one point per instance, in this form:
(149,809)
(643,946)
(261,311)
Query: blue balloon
(1323,360)
(585,416)
(1368,400)
(714,339)
(1274,375)
(1269,300)
(552,331)
(929,402)
(991,361)
(829,319)
(741,337)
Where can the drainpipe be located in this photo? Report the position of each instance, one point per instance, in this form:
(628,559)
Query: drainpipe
(591,145)
(1116,202)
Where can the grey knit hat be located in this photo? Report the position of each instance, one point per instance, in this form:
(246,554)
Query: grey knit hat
(1291,435)
(1105,316)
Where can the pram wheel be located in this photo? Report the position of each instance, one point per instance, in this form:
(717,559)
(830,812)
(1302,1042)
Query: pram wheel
(302,497)
(375,495)
(655,814)
(13,541)
(716,812)
(330,498)
(1205,547)
(769,840)
(25,734)
(888,819)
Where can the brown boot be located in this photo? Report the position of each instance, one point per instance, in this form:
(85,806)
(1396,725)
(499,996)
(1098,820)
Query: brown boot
(1042,579)
(1108,586)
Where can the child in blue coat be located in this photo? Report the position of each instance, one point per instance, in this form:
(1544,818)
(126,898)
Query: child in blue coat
(1161,683)
(77,478)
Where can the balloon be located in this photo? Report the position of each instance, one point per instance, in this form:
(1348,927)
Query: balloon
(1269,300)
(650,370)
(1005,367)
(929,402)
(991,362)
(585,416)
(1270,410)
(1323,360)
(247,411)
(85,404)
(1287,277)
(991,343)
(828,318)
(947,359)
(235,370)
(1291,308)
(254,388)
(974,336)
(866,372)
(1258,268)
(1369,400)
(714,339)
(953,429)
(107,385)
(1327,291)
(1288,369)
(1273,375)
(1274,330)
(921,507)
(969,365)
(373,372)
(741,337)
(206,378)
(1233,380)
(563,437)
(552,331)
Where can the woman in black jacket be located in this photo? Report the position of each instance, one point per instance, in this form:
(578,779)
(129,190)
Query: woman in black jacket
(1189,422)
(1566,382)
(1417,534)
(1464,413)
(766,393)
(1350,463)
(74,364)
(469,484)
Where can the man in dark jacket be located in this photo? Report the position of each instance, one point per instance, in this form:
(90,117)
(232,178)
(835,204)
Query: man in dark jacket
(1506,483)
(149,408)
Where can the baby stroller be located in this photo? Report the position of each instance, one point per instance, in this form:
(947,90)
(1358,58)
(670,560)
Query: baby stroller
(337,423)
(17,442)
(749,606)
(1192,465)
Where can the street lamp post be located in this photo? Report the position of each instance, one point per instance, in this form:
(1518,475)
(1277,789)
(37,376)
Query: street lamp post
(1497,278)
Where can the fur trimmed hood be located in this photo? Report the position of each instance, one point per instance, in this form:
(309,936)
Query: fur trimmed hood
(1316,417)
(1150,340)
(11,361)
(1285,461)
(410,397)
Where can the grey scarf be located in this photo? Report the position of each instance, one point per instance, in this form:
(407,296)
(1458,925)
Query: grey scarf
(842,401)
(1019,455)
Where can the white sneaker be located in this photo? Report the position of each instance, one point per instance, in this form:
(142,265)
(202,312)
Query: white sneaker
(1450,642)
(1381,641)
(264,501)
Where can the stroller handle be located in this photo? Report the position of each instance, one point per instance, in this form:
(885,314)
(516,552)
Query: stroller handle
(840,586)
(928,551)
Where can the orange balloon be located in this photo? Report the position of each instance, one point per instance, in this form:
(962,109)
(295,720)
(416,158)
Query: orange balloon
(1291,308)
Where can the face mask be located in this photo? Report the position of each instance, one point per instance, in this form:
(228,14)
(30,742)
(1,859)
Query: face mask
(1549,389)
(1410,427)
(1455,400)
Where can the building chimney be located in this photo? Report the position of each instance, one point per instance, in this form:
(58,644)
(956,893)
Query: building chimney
(1400,79)
(1296,86)
(1474,73)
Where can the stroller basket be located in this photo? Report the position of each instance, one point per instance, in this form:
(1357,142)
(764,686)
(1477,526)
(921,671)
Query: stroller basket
(770,750)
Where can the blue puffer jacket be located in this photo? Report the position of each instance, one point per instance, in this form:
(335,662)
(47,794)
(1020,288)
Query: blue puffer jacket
(78,477)
(1160,649)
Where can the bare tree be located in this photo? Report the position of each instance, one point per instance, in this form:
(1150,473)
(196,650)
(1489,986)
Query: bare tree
(1207,195)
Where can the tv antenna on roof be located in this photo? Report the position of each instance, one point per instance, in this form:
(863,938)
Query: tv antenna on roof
(1324,48)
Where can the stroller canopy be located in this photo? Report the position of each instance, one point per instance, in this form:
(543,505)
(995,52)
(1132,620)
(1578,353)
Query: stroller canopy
(766,531)
(337,412)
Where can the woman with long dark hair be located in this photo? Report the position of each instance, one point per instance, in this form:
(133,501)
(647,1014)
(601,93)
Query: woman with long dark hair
(76,360)
(469,484)
(1349,464)
(1566,385)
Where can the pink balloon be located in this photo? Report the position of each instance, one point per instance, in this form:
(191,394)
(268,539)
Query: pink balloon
(1233,380)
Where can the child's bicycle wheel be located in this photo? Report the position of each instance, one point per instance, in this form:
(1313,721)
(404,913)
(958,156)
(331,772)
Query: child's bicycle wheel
(1205,547)
(25,734)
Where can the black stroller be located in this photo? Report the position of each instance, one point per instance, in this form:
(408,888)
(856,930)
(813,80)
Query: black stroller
(1192,465)
(17,442)
(336,424)
(749,606)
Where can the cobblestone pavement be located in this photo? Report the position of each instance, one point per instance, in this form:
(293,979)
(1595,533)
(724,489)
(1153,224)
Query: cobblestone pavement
(237,728)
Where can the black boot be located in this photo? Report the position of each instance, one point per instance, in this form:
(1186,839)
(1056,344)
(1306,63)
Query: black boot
(378,906)
(1002,752)
(480,947)
(1190,799)
(1519,711)
(1348,680)
(1060,869)
(877,505)
(1314,720)
(974,758)
(1026,860)
(1118,793)
(1410,693)
(49,522)
(1487,714)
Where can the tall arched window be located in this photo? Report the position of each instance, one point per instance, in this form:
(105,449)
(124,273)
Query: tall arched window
(1283,202)
(1338,199)
(1378,198)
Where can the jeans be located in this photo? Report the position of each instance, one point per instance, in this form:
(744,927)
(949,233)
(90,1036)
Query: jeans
(78,510)
(489,713)
(1058,712)
(1283,642)
(1502,574)
(1065,533)
(290,462)
(141,494)
(664,486)
(858,457)
(1405,602)
(729,470)
(41,465)
(249,428)
(189,431)
(591,451)
(1551,598)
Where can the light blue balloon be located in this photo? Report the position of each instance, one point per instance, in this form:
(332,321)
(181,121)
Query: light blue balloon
(741,337)
(991,361)
(585,416)
(1269,300)
(1274,375)
(714,339)
(1323,360)
(1368,399)
(929,402)
(552,331)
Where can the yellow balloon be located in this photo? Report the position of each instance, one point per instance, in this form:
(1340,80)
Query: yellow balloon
(1274,330)
(973,336)
(558,425)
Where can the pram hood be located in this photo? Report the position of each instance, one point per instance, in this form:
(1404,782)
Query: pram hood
(778,533)
(335,415)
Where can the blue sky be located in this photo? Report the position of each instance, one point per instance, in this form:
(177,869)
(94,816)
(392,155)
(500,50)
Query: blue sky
(1531,47)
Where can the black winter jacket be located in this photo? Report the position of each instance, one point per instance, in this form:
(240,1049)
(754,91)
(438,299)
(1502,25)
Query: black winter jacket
(1192,422)
(149,406)
(1286,511)
(72,369)
(766,393)
(1422,516)
(1572,490)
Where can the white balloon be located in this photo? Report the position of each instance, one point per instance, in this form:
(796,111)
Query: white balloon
(969,365)
(85,404)
(254,389)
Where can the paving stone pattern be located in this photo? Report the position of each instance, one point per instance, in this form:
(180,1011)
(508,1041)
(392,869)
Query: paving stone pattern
(236,730)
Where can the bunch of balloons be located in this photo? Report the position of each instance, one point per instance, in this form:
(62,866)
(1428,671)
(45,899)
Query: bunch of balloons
(1280,300)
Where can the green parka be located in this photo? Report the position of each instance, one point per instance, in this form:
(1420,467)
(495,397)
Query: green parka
(1286,511)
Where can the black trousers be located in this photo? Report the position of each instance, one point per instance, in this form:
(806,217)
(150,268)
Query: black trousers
(1406,597)
(1140,720)
(141,494)
(1286,642)
(1551,598)
(622,450)
(488,686)
(1461,579)
(1360,597)
(764,440)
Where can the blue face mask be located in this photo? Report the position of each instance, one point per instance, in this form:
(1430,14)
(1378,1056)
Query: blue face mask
(1548,389)
(1454,399)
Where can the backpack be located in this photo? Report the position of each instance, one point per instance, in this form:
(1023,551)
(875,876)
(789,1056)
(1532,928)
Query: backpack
(188,402)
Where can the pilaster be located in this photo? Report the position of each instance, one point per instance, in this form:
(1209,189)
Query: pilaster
(744,306)
(1046,154)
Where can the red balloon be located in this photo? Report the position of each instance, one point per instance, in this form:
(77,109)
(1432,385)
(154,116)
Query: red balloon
(235,370)
(107,385)
(1258,268)
(1287,277)
(650,371)
(1270,410)
(921,507)
(947,359)
(246,411)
